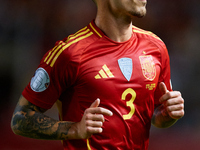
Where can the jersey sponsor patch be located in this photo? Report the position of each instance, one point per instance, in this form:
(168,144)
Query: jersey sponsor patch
(40,81)
(126,67)
(148,67)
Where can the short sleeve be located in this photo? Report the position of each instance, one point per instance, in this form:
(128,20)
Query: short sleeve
(56,73)
(164,74)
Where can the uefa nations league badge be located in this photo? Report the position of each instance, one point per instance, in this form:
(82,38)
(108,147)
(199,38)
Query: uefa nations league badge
(40,81)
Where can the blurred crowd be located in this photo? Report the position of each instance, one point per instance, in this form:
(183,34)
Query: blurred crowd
(28,29)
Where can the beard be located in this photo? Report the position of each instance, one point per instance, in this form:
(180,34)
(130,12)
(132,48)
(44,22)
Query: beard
(139,13)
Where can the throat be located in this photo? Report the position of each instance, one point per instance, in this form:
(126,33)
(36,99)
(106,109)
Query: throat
(120,37)
(116,31)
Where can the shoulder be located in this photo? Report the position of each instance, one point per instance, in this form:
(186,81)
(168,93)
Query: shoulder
(150,39)
(72,47)
(148,35)
(77,42)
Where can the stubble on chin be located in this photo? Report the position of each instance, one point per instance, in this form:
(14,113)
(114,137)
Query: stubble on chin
(140,13)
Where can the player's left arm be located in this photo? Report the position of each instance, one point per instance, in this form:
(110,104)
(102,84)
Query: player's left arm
(170,110)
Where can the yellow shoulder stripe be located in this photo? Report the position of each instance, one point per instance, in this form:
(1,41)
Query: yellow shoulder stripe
(79,34)
(76,34)
(53,52)
(57,50)
(138,30)
(67,45)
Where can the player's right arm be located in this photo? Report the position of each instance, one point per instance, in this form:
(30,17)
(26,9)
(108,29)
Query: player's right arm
(29,120)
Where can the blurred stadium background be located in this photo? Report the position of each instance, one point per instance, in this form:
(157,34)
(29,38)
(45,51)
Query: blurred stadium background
(29,28)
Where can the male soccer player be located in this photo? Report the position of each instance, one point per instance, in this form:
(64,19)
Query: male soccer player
(107,79)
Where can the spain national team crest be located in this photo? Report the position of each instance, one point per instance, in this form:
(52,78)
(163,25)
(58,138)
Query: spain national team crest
(148,67)
(126,67)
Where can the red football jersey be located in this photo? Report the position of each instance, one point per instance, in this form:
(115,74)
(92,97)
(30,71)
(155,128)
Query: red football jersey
(124,75)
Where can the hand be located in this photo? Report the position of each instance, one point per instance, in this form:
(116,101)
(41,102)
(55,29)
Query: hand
(92,120)
(172,101)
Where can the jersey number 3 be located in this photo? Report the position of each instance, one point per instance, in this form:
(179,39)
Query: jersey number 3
(129,103)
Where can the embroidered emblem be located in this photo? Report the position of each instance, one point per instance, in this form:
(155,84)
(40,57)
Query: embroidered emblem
(148,67)
(126,67)
(104,73)
(40,81)
(150,86)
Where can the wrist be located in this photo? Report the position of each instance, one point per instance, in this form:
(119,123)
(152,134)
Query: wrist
(161,118)
(67,130)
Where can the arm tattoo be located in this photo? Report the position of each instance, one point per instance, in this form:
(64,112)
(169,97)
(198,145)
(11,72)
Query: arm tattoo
(29,120)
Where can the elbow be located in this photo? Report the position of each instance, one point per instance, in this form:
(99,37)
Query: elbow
(16,124)
(15,131)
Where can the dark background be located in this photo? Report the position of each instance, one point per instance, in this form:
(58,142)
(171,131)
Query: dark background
(29,28)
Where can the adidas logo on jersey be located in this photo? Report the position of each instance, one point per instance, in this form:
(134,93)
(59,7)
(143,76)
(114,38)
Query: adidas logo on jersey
(104,73)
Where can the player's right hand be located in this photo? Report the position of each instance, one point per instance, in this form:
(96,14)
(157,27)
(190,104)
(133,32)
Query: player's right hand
(92,120)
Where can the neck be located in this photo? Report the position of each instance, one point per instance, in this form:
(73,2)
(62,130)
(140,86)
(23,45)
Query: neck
(117,28)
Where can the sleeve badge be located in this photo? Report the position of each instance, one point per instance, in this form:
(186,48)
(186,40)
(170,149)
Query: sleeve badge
(40,81)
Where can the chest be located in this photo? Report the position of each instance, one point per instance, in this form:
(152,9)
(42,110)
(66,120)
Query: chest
(111,69)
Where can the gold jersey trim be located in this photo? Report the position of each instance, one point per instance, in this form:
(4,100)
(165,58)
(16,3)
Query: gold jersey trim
(95,30)
(138,30)
(58,49)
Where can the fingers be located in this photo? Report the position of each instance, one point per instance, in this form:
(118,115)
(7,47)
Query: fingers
(170,95)
(94,116)
(94,130)
(95,103)
(172,101)
(175,107)
(92,120)
(163,87)
(94,109)
(172,98)
(96,113)
(94,126)
(99,110)
(176,114)
(176,111)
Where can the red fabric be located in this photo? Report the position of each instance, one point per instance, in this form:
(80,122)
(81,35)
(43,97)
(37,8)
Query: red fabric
(75,67)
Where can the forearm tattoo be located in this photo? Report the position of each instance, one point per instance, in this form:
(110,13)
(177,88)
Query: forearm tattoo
(29,120)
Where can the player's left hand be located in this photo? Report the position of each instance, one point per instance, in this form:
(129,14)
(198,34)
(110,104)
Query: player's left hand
(172,102)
